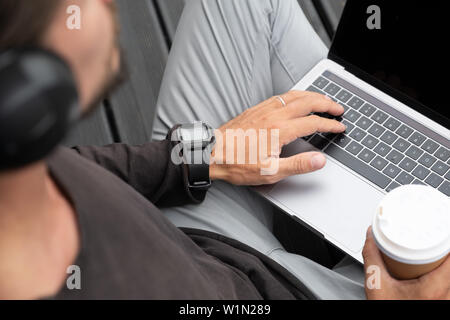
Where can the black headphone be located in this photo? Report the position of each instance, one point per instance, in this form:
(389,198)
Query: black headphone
(38,105)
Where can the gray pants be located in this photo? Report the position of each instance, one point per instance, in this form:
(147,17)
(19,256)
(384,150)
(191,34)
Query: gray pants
(227,56)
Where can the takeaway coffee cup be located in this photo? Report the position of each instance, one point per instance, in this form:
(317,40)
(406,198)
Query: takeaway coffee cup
(411,228)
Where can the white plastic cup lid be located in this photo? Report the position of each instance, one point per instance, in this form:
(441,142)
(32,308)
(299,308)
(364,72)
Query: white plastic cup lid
(412,225)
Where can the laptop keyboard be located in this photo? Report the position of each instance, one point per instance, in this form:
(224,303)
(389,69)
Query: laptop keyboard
(380,147)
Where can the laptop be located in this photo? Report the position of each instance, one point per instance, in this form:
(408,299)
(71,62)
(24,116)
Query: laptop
(388,67)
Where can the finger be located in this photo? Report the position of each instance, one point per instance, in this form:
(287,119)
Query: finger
(287,97)
(372,256)
(312,103)
(301,164)
(302,127)
(293,95)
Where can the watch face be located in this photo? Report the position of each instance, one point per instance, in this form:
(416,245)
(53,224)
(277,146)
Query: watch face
(196,133)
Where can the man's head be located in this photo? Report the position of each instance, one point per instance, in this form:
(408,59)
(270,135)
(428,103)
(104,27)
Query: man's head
(92,51)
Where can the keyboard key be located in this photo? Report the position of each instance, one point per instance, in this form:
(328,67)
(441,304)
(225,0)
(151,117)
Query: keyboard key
(414,152)
(321,83)
(445,188)
(440,168)
(354,148)
(382,149)
(401,145)
(434,180)
(319,142)
(377,130)
(430,146)
(392,124)
(392,171)
(352,116)
(346,107)
(332,89)
(343,96)
(358,134)
(379,163)
(370,142)
(380,117)
(443,154)
(405,131)
(368,110)
(421,172)
(389,137)
(329,136)
(314,89)
(358,166)
(394,185)
(366,155)
(427,160)
(395,157)
(349,125)
(404,178)
(355,103)
(364,123)
(408,164)
(342,140)
(418,182)
(417,139)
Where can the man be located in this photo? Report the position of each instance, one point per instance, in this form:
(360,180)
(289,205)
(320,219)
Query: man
(96,207)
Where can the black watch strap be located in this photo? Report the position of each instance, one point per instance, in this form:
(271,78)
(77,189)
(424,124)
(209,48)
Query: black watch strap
(198,173)
(198,176)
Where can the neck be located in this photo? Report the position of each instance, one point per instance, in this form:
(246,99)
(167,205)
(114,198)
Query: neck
(38,233)
(23,193)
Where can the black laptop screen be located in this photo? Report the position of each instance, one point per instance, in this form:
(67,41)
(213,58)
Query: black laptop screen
(401,47)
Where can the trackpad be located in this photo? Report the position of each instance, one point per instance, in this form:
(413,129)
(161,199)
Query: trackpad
(334,201)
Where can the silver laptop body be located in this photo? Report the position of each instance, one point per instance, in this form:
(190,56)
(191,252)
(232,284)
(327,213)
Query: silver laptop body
(339,201)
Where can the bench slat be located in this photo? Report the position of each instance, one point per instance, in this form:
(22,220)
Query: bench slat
(310,11)
(171,11)
(93,130)
(330,12)
(133,105)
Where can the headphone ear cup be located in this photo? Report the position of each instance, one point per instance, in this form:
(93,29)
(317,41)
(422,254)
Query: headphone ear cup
(38,104)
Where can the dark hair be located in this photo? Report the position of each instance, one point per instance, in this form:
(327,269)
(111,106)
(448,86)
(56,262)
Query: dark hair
(24,22)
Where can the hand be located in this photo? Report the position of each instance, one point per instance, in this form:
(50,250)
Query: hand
(432,286)
(248,163)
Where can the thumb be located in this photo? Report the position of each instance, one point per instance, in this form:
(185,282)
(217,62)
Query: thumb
(373,259)
(377,278)
(302,163)
(371,253)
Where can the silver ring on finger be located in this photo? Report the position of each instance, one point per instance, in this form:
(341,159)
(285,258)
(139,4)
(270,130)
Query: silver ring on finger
(280,98)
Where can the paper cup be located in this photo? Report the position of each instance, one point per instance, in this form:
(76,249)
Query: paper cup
(411,228)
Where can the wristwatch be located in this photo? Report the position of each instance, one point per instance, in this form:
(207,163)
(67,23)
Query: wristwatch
(197,142)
